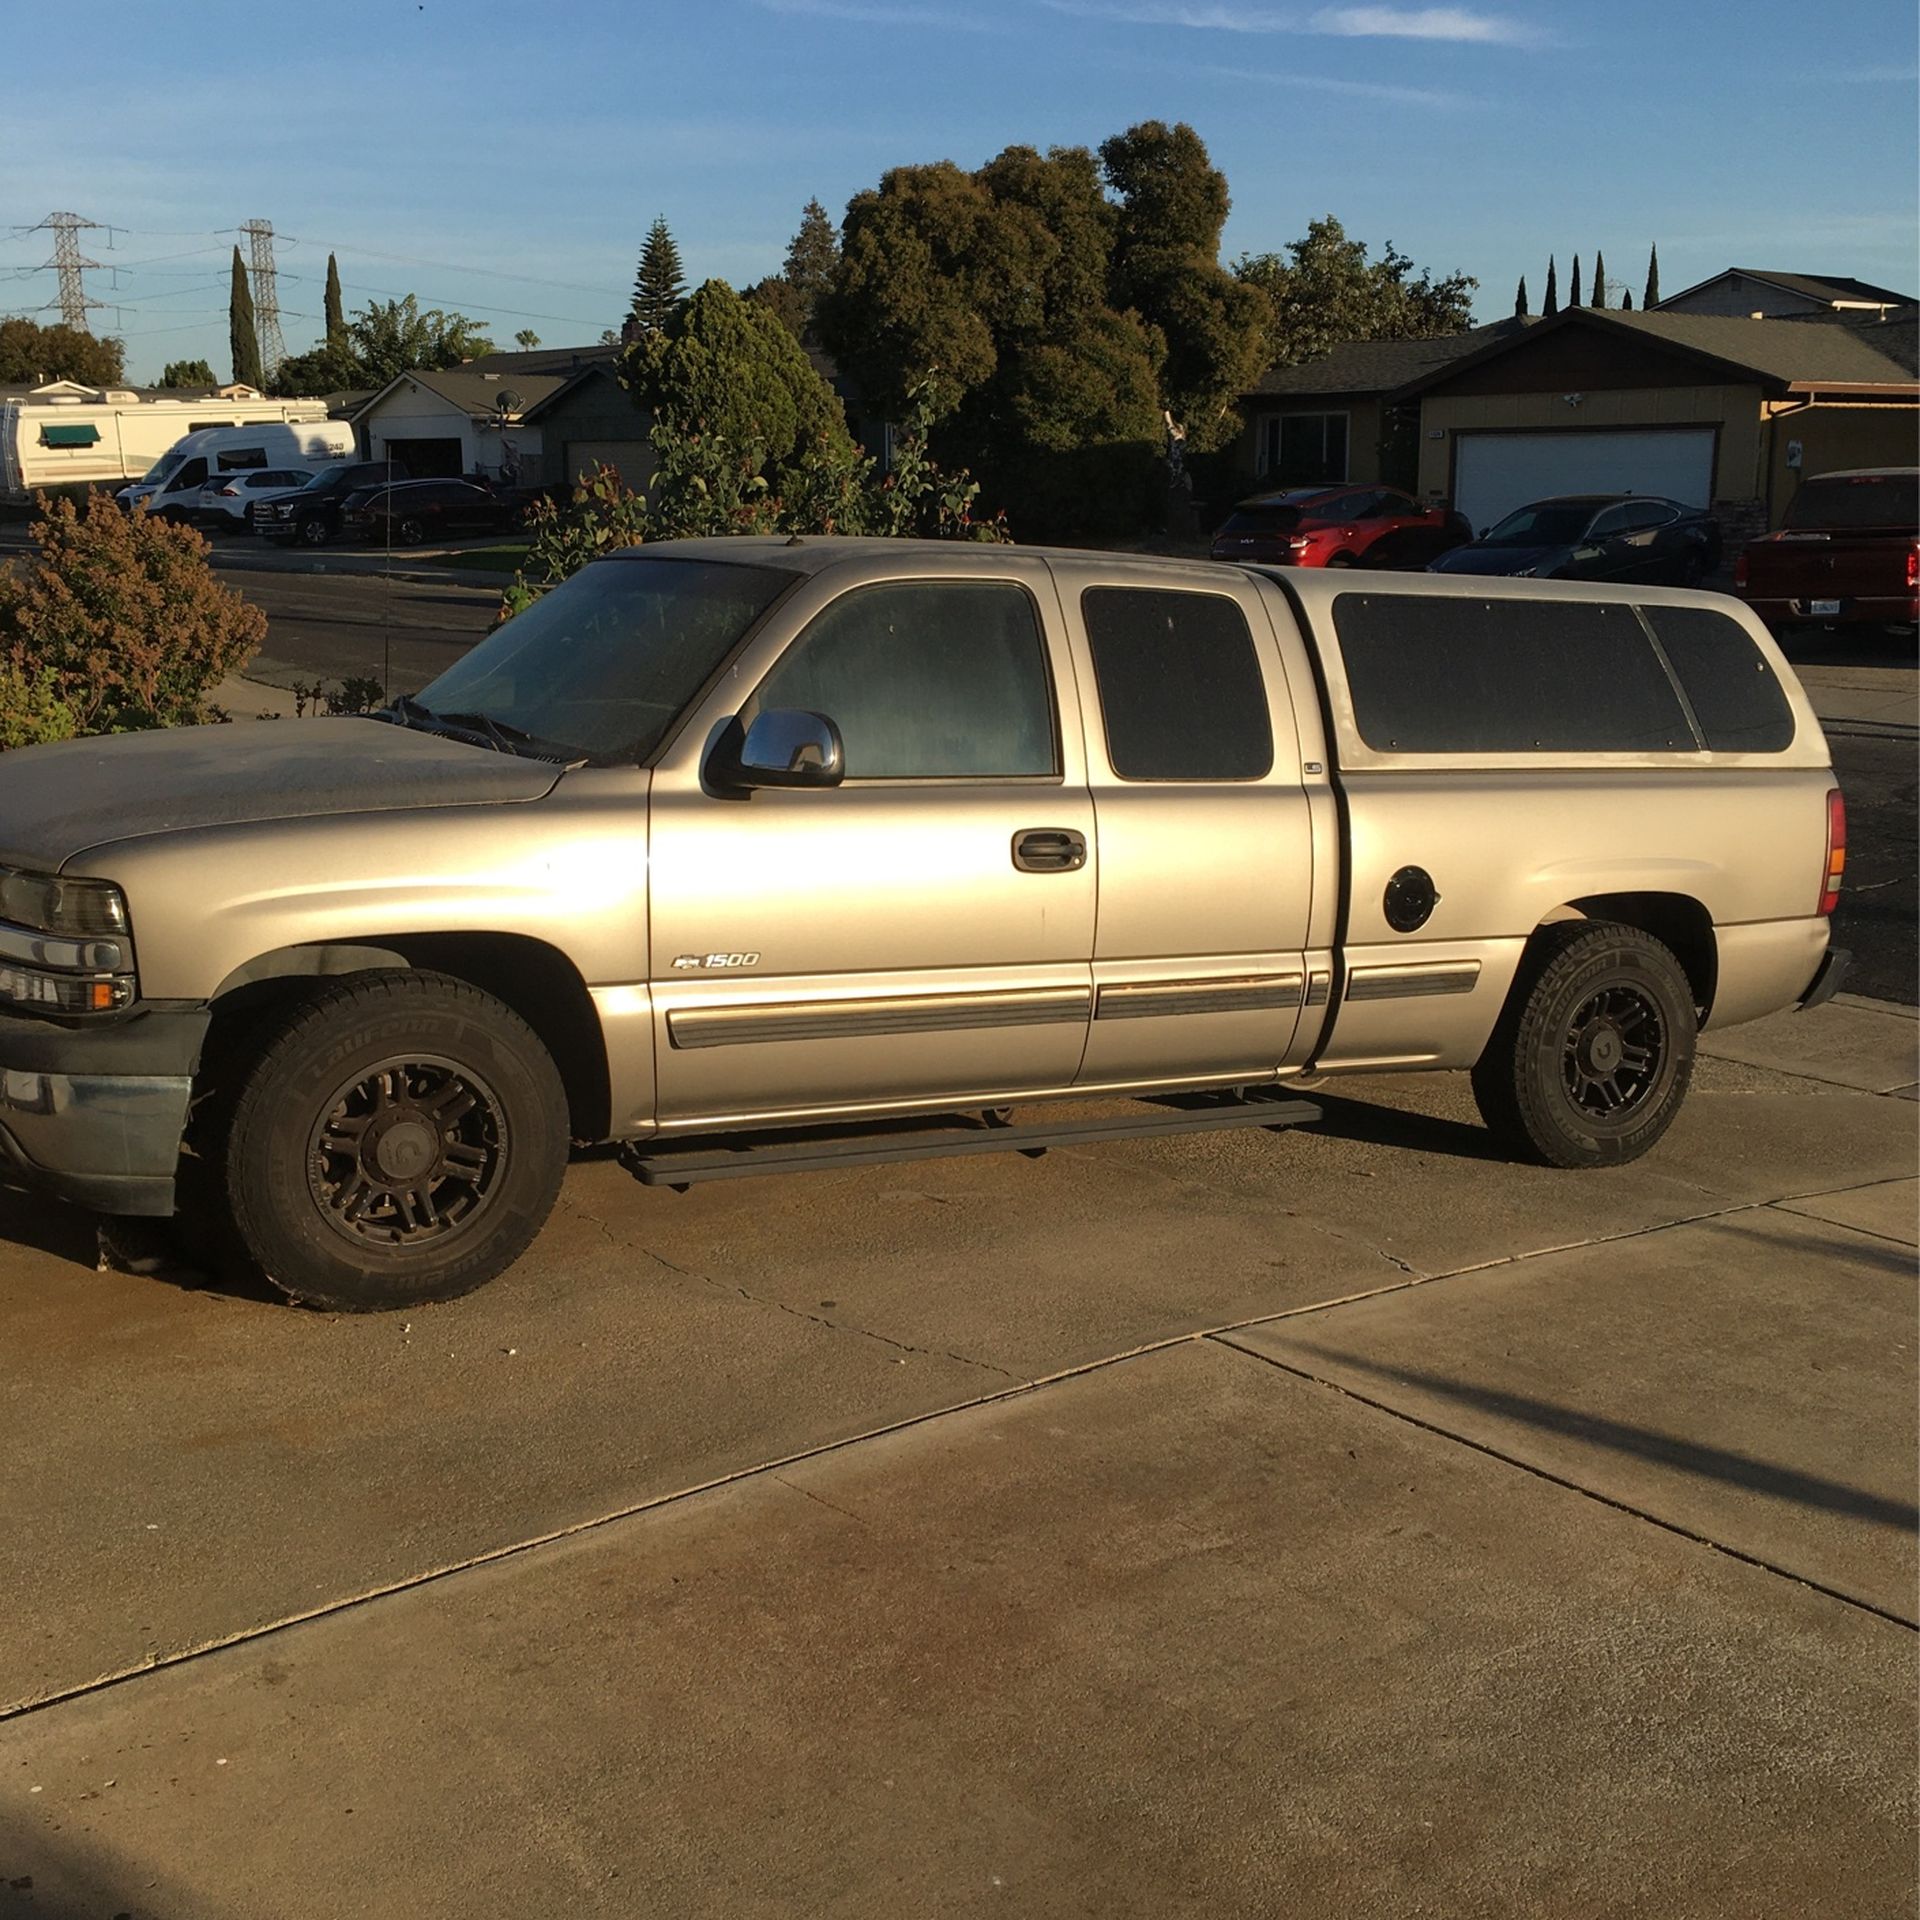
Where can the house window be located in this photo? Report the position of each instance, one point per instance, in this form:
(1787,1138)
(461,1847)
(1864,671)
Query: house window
(1304,447)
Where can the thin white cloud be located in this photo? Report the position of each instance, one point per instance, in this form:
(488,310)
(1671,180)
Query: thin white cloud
(1423,23)
(1458,24)
(1354,89)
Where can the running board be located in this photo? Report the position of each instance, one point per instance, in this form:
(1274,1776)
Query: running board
(681,1167)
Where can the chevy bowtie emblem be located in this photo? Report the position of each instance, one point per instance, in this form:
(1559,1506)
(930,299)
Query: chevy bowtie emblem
(714,962)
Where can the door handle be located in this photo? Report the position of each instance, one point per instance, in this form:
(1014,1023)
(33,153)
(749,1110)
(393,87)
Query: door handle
(1049,850)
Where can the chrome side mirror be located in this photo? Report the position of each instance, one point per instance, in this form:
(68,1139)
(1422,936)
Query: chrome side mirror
(784,747)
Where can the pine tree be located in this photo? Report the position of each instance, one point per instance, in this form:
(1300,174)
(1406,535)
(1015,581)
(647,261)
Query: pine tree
(660,285)
(813,253)
(1626,299)
(1551,304)
(1652,296)
(1599,278)
(242,333)
(1573,293)
(336,313)
(1520,300)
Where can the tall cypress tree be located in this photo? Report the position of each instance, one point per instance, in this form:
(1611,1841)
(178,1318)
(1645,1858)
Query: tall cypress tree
(1599,278)
(1651,298)
(336,313)
(1573,292)
(660,285)
(1520,300)
(1626,299)
(1551,304)
(243,334)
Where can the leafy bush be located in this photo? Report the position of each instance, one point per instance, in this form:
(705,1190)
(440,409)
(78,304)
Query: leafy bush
(114,624)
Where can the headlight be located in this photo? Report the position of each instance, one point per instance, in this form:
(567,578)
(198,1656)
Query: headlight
(52,903)
(64,944)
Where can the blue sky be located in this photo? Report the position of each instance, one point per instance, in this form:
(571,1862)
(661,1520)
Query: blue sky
(506,159)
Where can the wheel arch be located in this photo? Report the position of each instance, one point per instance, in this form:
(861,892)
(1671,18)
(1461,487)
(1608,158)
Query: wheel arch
(1677,920)
(535,979)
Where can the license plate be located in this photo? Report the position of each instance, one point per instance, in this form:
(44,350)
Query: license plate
(1824,609)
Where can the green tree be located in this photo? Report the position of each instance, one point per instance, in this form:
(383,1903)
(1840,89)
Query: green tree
(331,367)
(1520,300)
(1599,278)
(1626,299)
(114,623)
(336,313)
(526,340)
(1324,290)
(1651,298)
(242,332)
(1573,291)
(1166,267)
(187,373)
(1551,304)
(31,355)
(398,336)
(660,283)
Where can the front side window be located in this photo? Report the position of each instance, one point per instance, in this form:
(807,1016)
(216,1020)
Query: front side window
(927,680)
(1180,688)
(606,663)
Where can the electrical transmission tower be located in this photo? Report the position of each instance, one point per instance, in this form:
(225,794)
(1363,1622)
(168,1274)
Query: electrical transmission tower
(70,264)
(266,297)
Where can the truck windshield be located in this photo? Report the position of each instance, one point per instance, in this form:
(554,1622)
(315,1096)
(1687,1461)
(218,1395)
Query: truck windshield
(606,662)
(1876,500)
(327,477)
(162,469)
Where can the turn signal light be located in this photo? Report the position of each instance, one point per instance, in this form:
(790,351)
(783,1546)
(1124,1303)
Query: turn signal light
(1836,850)
(1740,570)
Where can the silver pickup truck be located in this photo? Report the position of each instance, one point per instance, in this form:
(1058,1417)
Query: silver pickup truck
(731,839)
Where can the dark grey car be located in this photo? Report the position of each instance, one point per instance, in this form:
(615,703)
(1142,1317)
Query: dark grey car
(1595,536)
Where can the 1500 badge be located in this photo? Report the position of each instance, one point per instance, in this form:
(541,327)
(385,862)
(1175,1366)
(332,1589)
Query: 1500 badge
(714,962)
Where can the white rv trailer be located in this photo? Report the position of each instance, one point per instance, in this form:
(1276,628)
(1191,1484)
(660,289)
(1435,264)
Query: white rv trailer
(67,436)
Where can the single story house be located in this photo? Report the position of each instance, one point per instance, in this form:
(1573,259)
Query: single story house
(457,420)
(1328,419)
(1720,412)
(1746,293)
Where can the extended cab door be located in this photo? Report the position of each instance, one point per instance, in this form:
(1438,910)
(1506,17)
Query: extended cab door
(1205,832)
(921,933)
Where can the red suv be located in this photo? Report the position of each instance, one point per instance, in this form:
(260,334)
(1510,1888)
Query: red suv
(1339,526)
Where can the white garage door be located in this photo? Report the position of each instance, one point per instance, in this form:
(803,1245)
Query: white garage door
(1496,472)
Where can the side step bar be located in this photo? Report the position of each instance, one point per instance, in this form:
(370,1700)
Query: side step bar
(681,1167)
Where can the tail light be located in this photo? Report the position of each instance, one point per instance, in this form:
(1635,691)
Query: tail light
(1836,850)
(1299,543)
(1913,567)
(1740,570)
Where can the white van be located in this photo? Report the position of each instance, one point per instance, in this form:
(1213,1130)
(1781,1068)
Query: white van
(171,487)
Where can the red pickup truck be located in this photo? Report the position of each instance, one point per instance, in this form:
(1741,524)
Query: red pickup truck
(1848,553)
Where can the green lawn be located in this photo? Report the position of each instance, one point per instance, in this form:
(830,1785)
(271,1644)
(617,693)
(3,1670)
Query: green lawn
(504,558)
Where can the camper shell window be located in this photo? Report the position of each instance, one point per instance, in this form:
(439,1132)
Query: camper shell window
(1446,674)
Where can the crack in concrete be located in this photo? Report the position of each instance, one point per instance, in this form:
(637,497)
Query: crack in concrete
(781,1306)
(818,1499)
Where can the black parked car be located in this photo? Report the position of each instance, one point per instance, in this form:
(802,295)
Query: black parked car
(1595,536)
(312,516)
(420,510)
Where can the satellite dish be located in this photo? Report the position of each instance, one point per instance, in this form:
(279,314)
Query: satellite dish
(508,402)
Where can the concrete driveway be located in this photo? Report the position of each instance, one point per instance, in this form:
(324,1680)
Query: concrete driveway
(1245,1524)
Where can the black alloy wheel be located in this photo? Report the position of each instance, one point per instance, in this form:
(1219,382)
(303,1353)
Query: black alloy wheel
(1592,1054)
(410,533)
(313,532)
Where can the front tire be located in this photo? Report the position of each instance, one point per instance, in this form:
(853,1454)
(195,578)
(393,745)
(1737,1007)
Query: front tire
(411,533)
(399,1138)
(1594,1051)
(313,533)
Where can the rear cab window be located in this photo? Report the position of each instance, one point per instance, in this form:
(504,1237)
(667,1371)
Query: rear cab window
(1455,675)
(1181,693)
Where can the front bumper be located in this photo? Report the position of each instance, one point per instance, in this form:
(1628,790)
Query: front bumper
(1826,982)
(95,1114)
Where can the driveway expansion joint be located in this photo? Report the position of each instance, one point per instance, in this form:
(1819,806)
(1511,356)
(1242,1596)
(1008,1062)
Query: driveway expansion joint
(1225,1339)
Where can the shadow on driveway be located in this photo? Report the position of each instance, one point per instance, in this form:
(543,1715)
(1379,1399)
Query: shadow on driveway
(1640,1443)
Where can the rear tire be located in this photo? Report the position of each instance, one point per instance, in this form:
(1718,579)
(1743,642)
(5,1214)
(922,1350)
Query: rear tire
(410,533)
(1594,1050)
(399,1138)
(1343,560)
